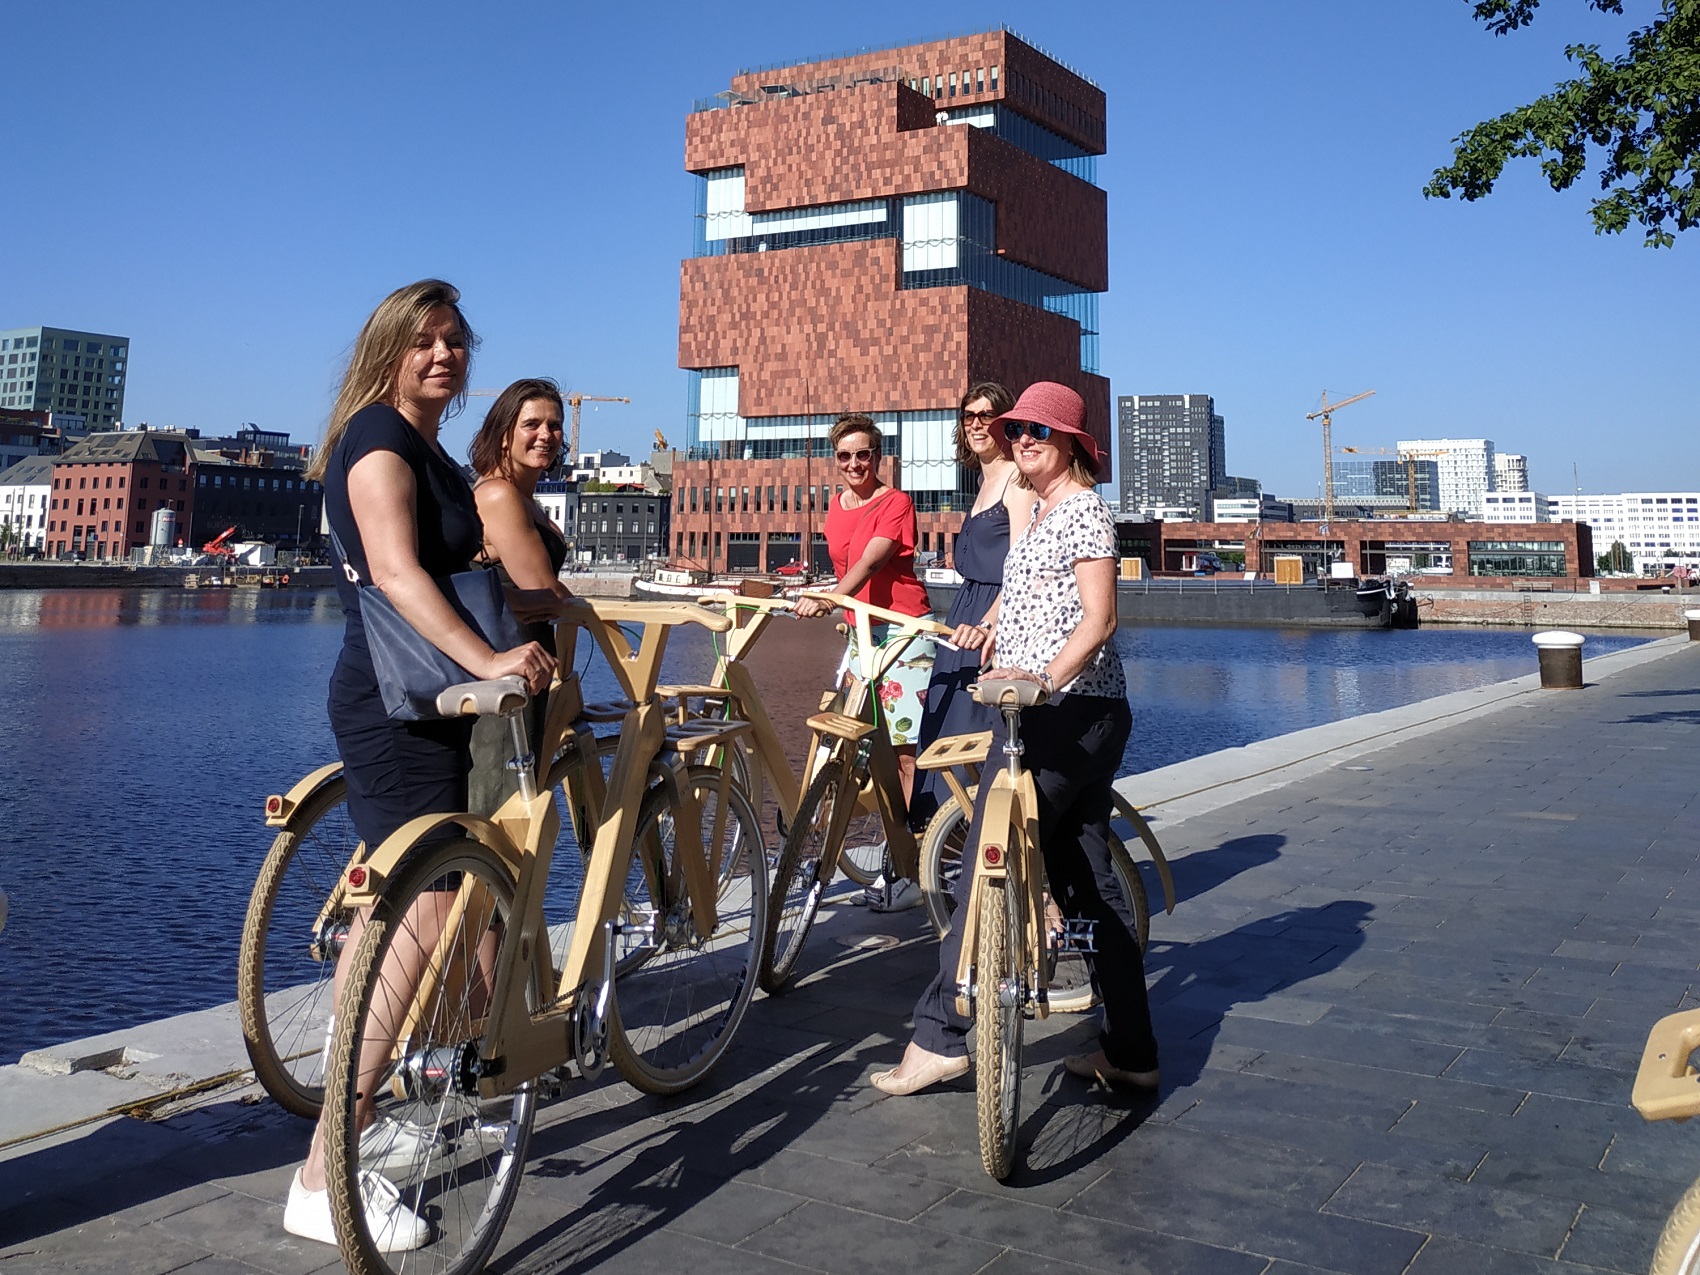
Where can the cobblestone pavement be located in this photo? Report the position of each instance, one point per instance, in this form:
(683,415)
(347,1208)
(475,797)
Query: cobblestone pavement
(1400,1006)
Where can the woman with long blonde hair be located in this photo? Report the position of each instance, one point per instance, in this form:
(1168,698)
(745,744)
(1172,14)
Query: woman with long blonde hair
(402,516)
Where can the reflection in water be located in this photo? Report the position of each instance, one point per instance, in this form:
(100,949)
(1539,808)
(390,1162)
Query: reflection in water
(149,726)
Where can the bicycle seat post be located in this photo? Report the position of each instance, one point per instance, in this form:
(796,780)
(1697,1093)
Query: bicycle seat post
(1013,748)
(524,764)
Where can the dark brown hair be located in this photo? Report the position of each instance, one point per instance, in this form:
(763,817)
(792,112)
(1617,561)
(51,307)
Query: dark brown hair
(1000,399)
(489,450)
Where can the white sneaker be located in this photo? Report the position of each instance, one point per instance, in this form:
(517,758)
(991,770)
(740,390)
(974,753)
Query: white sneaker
(872,894)
(393,1226)
(394,1149)
(899,895)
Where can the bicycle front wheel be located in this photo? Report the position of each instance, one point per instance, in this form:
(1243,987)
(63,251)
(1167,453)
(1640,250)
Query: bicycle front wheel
(286,967)
(405,1120)
(681,996)
(1678,1251)
(997,1025)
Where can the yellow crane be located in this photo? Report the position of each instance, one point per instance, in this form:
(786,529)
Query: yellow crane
(1326,412)
(660,441)
(1410,455)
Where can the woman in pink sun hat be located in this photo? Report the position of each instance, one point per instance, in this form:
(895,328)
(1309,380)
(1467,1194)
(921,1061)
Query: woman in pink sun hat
(1056,626)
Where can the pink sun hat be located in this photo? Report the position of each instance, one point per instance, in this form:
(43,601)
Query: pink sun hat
(1048,403)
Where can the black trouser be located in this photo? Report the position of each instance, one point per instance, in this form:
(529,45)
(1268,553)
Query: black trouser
(1073,749)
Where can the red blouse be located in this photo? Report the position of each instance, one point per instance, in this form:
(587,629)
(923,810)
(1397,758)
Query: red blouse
(891,516)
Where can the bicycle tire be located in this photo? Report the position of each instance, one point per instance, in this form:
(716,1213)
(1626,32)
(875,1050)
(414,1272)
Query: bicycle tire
(1678,1249)
(941,849)
(797,884)
(997,1027)
(472,1150)
(285,974)
(676,1009)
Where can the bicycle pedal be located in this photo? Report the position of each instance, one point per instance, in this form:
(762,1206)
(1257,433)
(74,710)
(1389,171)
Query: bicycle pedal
(1078,936)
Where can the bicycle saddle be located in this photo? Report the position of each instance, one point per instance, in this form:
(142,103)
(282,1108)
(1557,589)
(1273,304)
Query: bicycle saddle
(500,696)
(1002,691)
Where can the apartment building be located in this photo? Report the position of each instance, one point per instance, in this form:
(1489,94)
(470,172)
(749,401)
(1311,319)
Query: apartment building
(77,376)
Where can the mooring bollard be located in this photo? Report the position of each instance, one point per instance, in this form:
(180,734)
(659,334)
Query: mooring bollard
(1693,618)
(1561,660)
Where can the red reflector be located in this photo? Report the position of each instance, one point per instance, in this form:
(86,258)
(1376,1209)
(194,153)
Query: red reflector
(273,805)
(994,855)
(357,877)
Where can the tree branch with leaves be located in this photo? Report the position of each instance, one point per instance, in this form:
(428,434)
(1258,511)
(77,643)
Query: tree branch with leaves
(1639,111)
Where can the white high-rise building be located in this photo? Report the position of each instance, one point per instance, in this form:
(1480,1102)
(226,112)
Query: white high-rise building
(1510,472)
(1661,529)
(1466,470)
(1515,506)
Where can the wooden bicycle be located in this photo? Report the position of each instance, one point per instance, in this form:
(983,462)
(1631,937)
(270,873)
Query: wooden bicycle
(852,795)
(959,758)
(1667,1087)
(460,1006)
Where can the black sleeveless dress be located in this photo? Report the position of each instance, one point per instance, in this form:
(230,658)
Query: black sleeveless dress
(950,710)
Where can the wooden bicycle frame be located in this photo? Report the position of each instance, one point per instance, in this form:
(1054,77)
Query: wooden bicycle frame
(518,1045)
(846,731)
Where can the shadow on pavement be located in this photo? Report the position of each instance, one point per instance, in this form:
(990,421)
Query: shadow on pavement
(1201,871)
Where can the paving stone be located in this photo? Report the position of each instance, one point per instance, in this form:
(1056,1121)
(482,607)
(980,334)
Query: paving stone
(845,1242)
(1443,1256)
(1611,1241)
(1487,1215)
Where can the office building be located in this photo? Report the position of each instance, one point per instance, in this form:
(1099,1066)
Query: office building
(1661,529)
(1464,468)
(1510,472)
(256,498)
(107,488)
(1382,486)
(874,233)
(1172,450)
(623,526)
(1515,506)
(1259,508)
(77,376)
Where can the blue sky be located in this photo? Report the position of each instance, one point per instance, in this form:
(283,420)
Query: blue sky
(234,186)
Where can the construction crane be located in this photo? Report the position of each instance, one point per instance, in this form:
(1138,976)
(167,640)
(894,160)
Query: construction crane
(217,546)
(1326,412)
(660,441)
(1410,455)
(575,401)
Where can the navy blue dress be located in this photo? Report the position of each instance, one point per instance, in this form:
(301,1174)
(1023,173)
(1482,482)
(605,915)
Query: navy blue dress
(396,770)
(950,710)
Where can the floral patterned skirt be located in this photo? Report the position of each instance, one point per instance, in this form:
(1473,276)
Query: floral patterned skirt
(903,689)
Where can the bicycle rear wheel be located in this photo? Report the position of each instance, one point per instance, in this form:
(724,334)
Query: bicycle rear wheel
(287,962)
(997,1025)
(408,1035)
(797,883)
(675,1009)
(941,865)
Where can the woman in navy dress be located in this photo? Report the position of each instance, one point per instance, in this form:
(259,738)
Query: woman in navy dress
(995,522)
(404,516)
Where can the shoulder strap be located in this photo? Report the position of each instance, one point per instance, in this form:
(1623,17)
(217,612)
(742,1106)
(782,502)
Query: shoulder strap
(347,567)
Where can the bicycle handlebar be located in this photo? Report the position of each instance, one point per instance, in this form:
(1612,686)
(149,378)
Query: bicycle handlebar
(616,610)
(908,623)
(736,601)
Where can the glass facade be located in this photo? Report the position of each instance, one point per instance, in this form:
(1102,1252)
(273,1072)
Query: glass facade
(1035,139)
(1517,558)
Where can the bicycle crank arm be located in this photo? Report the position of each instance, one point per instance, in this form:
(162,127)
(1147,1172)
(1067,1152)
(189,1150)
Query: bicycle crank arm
(1078,935)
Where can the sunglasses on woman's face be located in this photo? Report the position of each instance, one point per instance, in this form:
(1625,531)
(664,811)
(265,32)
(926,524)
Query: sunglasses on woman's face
(1013,430)
(861,457)
(985,418)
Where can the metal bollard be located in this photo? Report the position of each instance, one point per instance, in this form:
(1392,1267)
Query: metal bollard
(1561,660)
(1693,618)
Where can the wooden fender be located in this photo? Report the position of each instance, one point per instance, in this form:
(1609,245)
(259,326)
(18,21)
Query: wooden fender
(1125,809)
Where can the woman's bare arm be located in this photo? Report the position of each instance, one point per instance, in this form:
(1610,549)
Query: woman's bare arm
(511,537)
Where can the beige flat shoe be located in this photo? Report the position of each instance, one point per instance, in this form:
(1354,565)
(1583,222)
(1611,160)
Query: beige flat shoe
(1095,1067)
(936,1073)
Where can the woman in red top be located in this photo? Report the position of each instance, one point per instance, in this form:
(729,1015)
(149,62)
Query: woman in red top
(871,535)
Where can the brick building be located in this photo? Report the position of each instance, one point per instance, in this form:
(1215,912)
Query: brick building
(874,233)
(107,487)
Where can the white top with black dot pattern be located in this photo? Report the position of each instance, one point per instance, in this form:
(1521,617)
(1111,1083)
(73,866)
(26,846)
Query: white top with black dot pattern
(1041,598)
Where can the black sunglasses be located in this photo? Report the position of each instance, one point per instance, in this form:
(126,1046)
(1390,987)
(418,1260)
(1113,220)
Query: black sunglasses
(985,418)
(1013,430)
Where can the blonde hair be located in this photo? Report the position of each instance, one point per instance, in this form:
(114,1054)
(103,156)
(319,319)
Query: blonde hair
(375,362)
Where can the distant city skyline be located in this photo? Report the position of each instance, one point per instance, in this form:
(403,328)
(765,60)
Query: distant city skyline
(1267,233)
